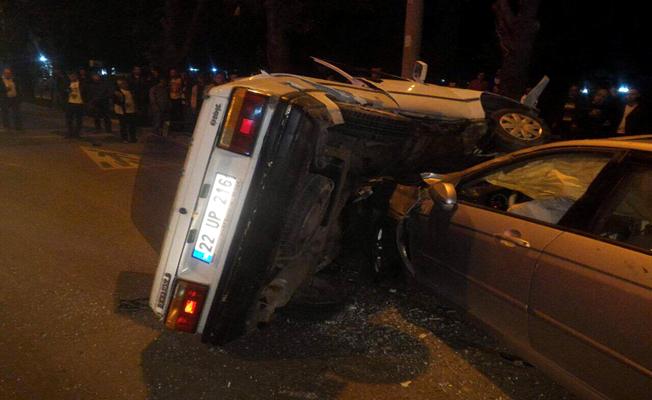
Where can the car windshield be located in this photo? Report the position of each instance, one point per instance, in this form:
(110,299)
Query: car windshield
(551,177)
(541,188)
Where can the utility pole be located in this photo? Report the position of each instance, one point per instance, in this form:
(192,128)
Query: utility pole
(412,40)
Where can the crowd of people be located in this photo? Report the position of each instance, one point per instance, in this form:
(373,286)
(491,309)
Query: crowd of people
(162,101)
(166,102)
(603,113)
(598,113)
(171,102)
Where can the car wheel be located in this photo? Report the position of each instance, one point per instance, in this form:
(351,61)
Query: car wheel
(516,129)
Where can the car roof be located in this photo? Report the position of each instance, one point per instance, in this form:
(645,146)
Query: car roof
(641,142)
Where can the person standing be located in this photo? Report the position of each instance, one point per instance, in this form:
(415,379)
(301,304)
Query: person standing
(138,86)
(10,101)
(567,123)
(126,108)
(219,78)
(159,105)
(60,89)
(99,96)
(75,105)
(197,95)
(633,116)
(495,83)
(597,119)
(176,100)
(479,83)
(82,75)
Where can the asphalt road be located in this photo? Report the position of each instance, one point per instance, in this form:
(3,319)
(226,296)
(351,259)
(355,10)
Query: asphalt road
(74,270)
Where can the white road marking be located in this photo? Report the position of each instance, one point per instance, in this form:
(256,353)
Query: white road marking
(108,159)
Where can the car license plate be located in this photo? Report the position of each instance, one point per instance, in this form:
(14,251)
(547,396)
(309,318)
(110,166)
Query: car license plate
(211,227)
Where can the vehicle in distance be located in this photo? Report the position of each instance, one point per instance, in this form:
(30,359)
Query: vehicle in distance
(550,248)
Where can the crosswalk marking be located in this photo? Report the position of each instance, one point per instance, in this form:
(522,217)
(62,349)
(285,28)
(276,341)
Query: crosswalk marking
(108,159)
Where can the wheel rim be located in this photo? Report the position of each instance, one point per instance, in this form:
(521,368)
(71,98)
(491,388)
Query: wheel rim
(521,126)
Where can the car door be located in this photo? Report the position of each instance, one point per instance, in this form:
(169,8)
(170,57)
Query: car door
(483,255)
(591,299)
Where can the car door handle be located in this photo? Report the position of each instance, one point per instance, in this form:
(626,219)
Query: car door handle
(513,237)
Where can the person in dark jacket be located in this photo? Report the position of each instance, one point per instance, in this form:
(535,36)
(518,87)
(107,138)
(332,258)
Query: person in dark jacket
(138,85)
(60,89)
(159,104)
(175,86)
(99,96)
(567,124)
(10,101)
(633,116)
(479,83)
(76,100)
(599,119)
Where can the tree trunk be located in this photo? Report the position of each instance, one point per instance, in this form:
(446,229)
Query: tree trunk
(278,52)
(192,30)
(517,27)
(178,37)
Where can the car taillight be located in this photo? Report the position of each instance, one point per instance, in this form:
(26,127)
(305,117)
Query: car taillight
(187,302)
(243,121)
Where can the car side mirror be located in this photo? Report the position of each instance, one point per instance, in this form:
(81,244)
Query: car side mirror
(444,195)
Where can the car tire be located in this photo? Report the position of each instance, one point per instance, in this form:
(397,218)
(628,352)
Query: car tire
(385,257)
(515,129)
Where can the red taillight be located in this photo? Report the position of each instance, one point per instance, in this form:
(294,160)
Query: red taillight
(247,126)
(243,121)
(185,309)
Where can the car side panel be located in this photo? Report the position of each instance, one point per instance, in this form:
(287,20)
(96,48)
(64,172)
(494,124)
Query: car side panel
(591,312)
(488,277)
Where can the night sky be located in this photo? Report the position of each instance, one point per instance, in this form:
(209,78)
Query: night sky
(578,40)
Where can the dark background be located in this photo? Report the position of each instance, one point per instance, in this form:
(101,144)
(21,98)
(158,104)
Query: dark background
(579,40)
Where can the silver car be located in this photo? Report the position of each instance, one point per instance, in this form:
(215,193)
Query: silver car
(549,248)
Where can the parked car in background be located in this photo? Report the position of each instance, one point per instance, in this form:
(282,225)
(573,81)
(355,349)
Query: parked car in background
(550,248)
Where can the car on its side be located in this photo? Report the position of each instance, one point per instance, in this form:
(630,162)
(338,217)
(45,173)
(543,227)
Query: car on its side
(549,248)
